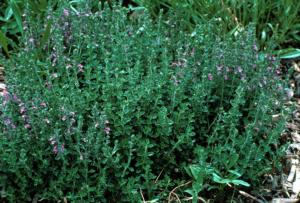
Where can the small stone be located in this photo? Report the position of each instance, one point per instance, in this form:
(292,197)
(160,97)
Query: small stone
(295,136)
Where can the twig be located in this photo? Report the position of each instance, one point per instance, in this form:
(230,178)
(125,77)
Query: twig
(173,191)
(144,201)
(159,175)
(175,196)
(190,198)
(245,194)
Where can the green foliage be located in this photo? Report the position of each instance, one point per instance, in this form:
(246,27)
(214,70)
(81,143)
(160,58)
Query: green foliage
(101,108)
(12,18)
(274,20)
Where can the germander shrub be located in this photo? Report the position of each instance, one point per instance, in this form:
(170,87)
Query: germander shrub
(104,108)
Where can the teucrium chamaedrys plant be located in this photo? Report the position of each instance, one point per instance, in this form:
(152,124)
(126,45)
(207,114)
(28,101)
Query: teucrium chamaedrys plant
(108,108)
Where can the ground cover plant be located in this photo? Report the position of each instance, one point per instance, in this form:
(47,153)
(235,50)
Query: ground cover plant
(101,107)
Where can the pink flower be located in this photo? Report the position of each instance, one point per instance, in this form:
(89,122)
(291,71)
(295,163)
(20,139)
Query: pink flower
(7,121)
(210,77)
(80,68)
(43,104)
(16,99)
(27,126)
(255,47)
(6,96)
(58,149)
(66,12)
(107,130)
(55,149)
(22,110)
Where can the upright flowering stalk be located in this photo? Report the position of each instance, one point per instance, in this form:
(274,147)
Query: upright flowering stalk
(57,148)
(106,127)
(6,97)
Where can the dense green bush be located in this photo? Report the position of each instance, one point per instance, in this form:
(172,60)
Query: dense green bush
(100,108)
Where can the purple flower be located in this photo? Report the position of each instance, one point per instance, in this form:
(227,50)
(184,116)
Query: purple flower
(209,76)
(43,104)
(55,149)
(22,110)
(16,99)
(225,77)
(7,121)
(107,130)
(66,13)
(6,96)
(80,68)
(255,47)
(58,149)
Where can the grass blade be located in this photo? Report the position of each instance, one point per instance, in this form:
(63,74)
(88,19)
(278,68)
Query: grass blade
(17,14)
(4,42)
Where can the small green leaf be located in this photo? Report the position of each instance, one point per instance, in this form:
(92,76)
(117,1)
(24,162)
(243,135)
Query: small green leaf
(17,14)
(240,182)
(8,13)
(196,171)
(293,53)
(4,42)
(219,179)
(189,191)
(235,173)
